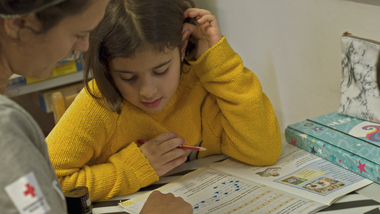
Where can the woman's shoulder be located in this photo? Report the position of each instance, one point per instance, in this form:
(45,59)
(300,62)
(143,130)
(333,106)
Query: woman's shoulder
(9,109)
(16,122)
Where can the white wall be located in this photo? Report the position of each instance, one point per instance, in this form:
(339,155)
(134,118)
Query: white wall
(293,46)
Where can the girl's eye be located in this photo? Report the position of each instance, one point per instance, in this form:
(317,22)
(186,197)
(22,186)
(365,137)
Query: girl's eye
(129,79)
(162,73)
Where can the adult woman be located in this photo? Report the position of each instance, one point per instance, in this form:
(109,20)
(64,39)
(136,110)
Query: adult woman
(35,36)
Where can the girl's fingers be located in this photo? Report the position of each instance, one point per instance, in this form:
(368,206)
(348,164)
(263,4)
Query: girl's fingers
(164,137)
(170,145)
(152,148)
(189,27)
(170,165)
(171,155)
(194,12)
(210,19)
(174,163)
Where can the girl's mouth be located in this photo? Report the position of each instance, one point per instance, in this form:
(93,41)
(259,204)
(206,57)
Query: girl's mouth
(153,104)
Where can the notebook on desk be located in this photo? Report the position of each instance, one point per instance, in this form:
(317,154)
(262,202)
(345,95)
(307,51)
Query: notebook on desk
(299,182)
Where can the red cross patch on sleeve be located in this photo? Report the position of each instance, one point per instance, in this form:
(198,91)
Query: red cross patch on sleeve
(27,196)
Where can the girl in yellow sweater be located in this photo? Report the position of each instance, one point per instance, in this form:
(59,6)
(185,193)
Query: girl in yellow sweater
(152,82)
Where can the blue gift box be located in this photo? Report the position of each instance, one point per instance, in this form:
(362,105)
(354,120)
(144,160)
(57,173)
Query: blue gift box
(346,141)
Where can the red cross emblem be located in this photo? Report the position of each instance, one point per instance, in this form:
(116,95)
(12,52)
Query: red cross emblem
(29,190)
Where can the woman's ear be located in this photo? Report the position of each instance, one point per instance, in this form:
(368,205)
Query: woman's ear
(185,41)
(13,26)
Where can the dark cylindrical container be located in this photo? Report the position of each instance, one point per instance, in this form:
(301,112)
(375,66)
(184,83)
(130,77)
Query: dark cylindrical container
(78,201)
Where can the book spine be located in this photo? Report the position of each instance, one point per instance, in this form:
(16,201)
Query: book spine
(41,101)
(334,154)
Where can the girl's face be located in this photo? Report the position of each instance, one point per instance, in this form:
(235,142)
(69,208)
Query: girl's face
(37,54)
(149,79)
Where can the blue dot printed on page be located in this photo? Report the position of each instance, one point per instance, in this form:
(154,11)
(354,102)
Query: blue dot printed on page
(223,190)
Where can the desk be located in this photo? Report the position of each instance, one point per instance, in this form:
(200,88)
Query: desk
(365,200)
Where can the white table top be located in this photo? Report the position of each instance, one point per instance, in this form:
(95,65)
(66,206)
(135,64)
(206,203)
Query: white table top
(365,200)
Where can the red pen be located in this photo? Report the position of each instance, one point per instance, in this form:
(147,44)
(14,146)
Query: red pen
(196,148)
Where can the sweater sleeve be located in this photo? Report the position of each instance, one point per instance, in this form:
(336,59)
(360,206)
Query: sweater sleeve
(25,165)
(80,141)
(237,113)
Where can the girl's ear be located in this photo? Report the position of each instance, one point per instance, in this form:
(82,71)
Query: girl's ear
(185,41)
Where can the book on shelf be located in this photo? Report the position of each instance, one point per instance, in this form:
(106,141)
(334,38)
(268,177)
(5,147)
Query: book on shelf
(63,69)
(299,182)
(71,65)
(44,100)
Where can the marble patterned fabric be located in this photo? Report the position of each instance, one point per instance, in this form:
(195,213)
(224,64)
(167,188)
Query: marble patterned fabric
(360,94)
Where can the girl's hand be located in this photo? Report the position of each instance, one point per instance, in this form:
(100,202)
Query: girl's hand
(207,33)
(159,203)
(162,152)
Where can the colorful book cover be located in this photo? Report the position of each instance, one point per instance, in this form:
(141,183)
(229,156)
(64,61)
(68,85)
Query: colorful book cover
(348,142)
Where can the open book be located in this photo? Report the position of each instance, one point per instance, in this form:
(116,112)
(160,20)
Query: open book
(299,182)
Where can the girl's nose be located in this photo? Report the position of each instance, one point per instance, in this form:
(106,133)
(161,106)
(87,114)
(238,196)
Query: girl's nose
(148,89)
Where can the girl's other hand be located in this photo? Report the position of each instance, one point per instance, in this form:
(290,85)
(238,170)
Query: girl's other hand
(162,152)
(159,203)
(207,33)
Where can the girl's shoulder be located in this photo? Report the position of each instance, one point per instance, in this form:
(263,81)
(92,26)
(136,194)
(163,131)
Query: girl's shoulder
(90,99)
(189,78)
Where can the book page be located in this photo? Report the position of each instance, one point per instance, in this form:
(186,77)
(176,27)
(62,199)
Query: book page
(301,173)
(211,191)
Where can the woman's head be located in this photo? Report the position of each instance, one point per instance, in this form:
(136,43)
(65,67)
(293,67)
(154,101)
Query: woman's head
(133,32)
(35,35)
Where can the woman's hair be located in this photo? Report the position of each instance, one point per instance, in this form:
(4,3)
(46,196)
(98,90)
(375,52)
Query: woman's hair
(49,16)
(130,26)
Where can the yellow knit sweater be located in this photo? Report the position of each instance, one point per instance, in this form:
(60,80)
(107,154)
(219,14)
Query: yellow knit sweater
(219,103)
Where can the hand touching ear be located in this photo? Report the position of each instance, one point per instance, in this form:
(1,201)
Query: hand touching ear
(207,33)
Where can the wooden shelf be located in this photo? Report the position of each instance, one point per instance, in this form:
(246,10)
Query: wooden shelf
(16,90)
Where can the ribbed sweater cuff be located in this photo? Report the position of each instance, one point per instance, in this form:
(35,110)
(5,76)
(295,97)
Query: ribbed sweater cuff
(137,162)
(214,57)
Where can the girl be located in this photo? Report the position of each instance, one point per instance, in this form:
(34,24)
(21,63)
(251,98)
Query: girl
(151,83)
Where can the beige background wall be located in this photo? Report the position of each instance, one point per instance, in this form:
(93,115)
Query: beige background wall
(293,46)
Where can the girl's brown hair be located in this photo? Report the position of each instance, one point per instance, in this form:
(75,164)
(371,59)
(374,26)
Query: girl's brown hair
(130,26)
(50,16)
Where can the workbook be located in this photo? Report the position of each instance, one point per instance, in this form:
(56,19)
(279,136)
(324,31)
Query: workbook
(299,182)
